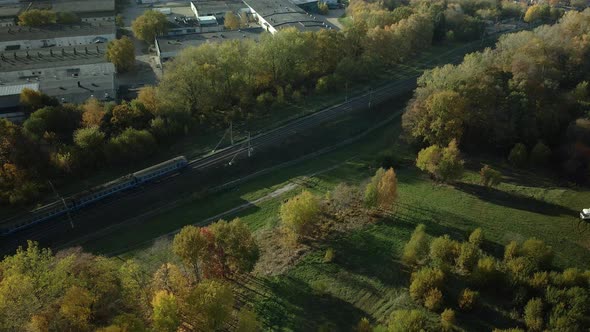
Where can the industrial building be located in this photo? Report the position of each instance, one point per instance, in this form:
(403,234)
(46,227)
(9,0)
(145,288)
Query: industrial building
(274,15)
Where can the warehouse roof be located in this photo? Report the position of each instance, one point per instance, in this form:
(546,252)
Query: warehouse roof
(167,44)
(55,31)
(283,14)
(52,57)
(15,89)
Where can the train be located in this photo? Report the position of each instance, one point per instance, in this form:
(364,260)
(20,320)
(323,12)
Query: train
(80,200)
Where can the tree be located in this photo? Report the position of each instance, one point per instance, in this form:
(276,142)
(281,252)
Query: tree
(539,253)
(518,155)
(56,120)
(444,251)
(231,21)
(444,164)
(382,190)
(67,18)
(149,25)
(209,305)
(165,316)
(433,299)
(89,139)
(33,100)
(76,307)
(468,256)
(468,299)
(190,246)
(476,237)
(121,52)
(147,96)
(299,214)
(536,13)
(489,176)
(417,248)
(486,273)
(364,325)
(240,251)
(37,17)
(92,112)
(119,21)
(533,314)
(248,321)
(323,7)
(423,280)
(540,154)
(408,321)
(131,144)
(447,319)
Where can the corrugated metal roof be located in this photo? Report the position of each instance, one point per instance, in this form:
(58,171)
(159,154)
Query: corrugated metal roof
(9,90)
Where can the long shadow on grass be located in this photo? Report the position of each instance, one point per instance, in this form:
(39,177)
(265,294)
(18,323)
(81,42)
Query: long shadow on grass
(503,198)
(294,305)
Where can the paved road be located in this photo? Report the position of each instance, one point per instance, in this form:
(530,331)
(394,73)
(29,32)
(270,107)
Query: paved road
(151,197)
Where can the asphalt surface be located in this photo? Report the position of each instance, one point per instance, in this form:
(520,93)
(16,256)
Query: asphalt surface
(143,200)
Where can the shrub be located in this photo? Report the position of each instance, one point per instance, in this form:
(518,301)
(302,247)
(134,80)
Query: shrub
(468,299)
(299,214)
(533,314)
(417,248)
(408,321)
(433,299)
(476,237)
(540,154)
(423,280)
(329,256)
(489,176)
(447,319)
(444,251)
(538,252)
(468,257)
(518,155)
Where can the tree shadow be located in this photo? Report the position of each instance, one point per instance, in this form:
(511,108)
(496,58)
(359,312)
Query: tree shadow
(513,201)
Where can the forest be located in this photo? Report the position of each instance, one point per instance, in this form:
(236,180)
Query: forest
(206,87)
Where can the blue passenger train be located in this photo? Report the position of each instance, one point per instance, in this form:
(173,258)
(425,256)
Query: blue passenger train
(82,199)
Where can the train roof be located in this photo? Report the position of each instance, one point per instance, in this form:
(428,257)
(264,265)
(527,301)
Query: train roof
(158,166)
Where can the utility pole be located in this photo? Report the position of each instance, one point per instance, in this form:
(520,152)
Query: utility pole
(231,132)
(63,201)
(249,146)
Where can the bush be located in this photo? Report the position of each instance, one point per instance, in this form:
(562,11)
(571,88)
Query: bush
(433,299)
(538,252)
(490,177)
(299,214)
(540,154)
(329,256)
(408,321)
(447,319)
(468,299)
(533,314)
(417,248)
(518,155)
(424,280)
(468,257)
(444,251)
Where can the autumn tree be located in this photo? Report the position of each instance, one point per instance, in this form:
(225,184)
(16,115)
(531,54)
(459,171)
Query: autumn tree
(468,299)
(33,100)
(92,112)
(209,305)
(190,246)
(417,247)
(423,281)
(408,321)
(147,96)
(240,251)
(166,314)
(37,17)
(381,192)
(444,164)
(149,25)
(299,214)
(444,251)
(121,52)
(533,314)
(489,176)
(447,319)
(231,21)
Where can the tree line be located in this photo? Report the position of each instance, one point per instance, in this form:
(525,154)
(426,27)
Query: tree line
(527,99)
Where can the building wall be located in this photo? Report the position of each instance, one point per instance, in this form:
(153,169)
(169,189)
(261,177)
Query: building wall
(64,41)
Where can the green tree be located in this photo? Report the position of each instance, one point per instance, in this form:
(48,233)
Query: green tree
(468,256)
(416,249)
(447,319)
(444,164)
(518,155)
(231,21)
(408,321)
(37,17)
(486,273)
(149,25)
(300,214)
(121,52)
(76,307)
(131,144)
(537,252)
(89,139)
(489,176)
(165,316)
(423,280)
(533,314)
(444,251)
(58,121)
